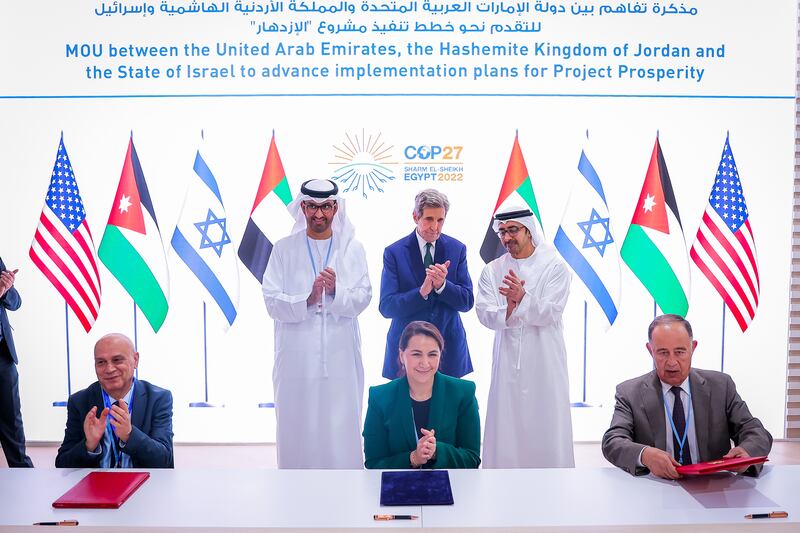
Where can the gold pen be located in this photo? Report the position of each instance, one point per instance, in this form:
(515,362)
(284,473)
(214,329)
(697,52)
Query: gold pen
(59,523)
(774,514)
(394,517)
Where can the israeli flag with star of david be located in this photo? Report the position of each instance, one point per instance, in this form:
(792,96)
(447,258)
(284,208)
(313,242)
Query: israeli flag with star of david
(202,240)
(586,241)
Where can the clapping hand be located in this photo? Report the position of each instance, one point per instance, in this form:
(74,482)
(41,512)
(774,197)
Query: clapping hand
(328,278)
(426,448)
(6,280)
(435,276)
(438,274)
(121,421)
(94,428)
(513,290)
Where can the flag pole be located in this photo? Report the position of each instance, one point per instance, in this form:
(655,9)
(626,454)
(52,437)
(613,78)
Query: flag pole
(205,352)
(583,403)
(722,355)
(585,312)
(66,329)
(205,364)
(135,330)
(654,317)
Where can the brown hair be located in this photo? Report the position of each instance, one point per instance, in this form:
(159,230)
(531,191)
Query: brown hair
(418,327)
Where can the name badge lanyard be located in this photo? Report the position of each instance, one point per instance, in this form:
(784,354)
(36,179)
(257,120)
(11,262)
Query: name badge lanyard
(115,450)
(324,335)
(518,366)
(681,439)
(414,421)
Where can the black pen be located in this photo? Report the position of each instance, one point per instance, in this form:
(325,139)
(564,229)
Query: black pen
(774,514)
(394,517)
(59,523)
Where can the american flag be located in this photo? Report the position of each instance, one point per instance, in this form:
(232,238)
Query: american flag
(63,248)
(724,248)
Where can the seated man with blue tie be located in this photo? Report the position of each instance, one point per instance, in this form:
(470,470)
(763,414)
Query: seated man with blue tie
(118,421)
(678,415)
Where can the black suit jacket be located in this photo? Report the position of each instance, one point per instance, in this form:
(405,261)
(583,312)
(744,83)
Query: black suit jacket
(720,416)
(150,442)
(10,301)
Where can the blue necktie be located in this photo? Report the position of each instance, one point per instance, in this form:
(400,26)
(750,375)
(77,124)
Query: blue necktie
(679,419)
(115,444)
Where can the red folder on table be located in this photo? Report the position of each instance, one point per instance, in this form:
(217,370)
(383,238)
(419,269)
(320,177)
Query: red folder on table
(102,490)
(710,467)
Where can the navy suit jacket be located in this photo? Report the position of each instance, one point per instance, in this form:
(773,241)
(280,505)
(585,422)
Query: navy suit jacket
(402,276)
(150,441)
(11,301)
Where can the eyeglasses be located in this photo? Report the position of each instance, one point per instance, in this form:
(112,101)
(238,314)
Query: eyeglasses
(512,230)
(326,208)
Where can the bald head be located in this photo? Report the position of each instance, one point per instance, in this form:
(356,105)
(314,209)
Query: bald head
(115,338)
(115,361)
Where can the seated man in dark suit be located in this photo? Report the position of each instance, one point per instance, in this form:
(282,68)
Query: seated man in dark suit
(679,415)
(118,421)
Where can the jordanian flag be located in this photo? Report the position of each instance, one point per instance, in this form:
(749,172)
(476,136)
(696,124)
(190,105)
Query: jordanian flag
(131,247)
(516,190)
(268,216)
(654,247)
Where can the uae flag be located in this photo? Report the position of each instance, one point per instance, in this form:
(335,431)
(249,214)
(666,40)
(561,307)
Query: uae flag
(654,248)
(269,218)
(516,190)
(131,248)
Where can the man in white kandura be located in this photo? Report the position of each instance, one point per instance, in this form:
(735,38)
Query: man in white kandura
(521,296)
(315,286)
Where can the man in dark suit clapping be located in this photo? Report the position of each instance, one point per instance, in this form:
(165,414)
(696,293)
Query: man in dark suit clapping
(425,277)
(12,435)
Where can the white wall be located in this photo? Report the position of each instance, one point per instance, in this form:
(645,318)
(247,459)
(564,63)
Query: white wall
(749,93)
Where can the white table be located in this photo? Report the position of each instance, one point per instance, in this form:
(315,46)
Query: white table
(602,499)
(610,499)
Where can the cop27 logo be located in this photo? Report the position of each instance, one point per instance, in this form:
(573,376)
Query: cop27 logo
(433,153)
(435,162)
(365,163)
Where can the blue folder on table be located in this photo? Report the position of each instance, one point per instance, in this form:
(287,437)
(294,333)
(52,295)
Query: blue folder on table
(416,487)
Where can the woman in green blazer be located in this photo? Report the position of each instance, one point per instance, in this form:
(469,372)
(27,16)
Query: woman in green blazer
(424,419)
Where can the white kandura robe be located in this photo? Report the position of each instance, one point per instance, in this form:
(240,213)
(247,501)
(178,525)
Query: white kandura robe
(318,376)
(528,421)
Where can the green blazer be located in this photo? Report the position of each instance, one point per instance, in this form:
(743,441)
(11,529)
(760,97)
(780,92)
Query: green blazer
(390,436)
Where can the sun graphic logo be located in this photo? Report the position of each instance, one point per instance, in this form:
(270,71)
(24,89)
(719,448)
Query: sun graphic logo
(364,163)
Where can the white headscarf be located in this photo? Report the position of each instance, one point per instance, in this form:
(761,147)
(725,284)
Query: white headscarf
(521,214)
(320,191)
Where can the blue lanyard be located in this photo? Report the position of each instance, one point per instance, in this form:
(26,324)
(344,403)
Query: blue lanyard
(681,439)
(414,423)
(108,403)
(311,257)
